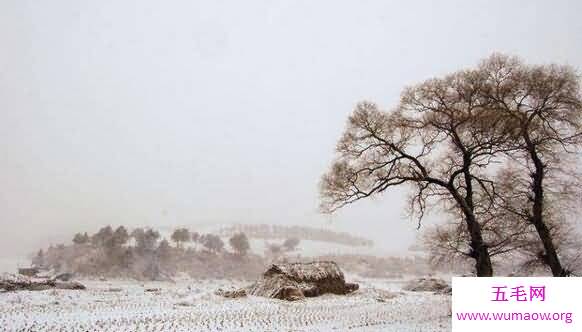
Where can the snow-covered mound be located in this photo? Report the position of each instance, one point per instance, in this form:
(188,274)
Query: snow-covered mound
(294,281)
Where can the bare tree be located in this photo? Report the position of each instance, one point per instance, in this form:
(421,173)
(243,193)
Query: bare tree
(443,137)
(544,104)
(291,243)
(240,243)
(180,236)
(146,240)
(195,238)
(509,241)
(119,237)
(165,256)
(212,242)
(435,141)
(99,238)
(561,196)
(81,238)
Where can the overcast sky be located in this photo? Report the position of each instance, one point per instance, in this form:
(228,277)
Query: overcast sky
(190,112)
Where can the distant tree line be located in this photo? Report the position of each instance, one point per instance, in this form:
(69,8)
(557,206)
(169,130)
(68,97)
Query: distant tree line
(265,231)
(143,253)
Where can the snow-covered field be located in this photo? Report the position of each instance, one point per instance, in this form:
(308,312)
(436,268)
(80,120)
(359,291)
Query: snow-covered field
(189,305)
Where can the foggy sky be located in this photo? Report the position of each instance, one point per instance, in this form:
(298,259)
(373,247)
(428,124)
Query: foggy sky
(190,112)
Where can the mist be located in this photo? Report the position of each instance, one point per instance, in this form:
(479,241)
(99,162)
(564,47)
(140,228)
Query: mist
(195,113)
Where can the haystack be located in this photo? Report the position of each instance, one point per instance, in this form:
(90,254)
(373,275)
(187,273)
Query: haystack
(20,282)
(426,285)
(295,281)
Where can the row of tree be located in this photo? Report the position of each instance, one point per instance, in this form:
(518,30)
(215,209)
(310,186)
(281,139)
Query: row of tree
(266,231)
(494,146)
(143,253)
(147,239)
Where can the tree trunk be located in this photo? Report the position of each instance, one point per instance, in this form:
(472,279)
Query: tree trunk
(479,250)
(537,218)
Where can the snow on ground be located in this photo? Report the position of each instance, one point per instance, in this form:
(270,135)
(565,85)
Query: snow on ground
(190,305)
